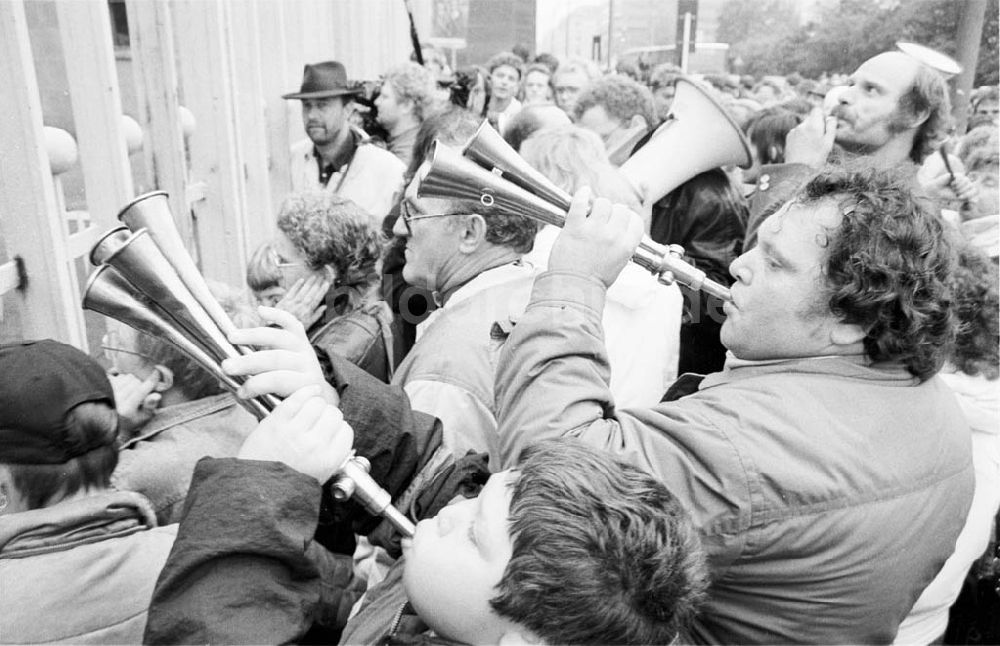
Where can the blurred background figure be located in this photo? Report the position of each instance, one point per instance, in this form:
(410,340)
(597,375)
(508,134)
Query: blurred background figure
(984,107)
(505,71)
(537,85)
(405,98)
(471,90)
(662,83)
(570,78)
(620,110)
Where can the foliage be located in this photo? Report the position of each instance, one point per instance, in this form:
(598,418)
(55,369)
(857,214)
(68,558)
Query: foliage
(767,37)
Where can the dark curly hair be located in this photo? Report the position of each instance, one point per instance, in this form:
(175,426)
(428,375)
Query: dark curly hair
(621,97)
(977,347)
(332,230)
(889,266)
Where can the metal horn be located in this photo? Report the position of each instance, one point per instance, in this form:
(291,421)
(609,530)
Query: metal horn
(500,178)
(109,293)
(140,287)
(142,263)
(151,211)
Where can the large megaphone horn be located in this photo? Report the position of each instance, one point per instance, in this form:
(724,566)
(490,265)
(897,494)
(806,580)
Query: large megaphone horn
(502,179)
(697,136)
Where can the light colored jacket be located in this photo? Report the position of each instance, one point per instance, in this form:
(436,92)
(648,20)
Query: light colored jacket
(449,371)
(827,492)
(81,571)
(373,179)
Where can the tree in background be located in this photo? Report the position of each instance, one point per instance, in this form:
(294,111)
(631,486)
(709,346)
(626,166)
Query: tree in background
(767,37)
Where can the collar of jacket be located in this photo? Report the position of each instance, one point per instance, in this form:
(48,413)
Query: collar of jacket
(849,366)
(71,523)
(183,413)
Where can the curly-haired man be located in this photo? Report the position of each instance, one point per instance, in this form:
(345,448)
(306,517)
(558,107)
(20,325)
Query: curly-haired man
(620,110)
(827,468)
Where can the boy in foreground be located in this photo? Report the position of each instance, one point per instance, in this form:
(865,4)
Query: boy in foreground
(572,546)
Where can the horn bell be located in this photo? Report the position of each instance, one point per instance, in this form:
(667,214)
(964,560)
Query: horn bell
(107,292)
(488,149)
(699,135)
(151,211)
(454,177)
(140,261)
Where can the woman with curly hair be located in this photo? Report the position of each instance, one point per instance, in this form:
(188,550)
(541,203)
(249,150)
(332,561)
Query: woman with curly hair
(328,249)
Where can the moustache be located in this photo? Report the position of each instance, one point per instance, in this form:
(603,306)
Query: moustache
(841,112)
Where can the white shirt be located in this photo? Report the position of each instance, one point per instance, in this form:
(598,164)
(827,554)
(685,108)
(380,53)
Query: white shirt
(372,179)
(467,422)
(642,328)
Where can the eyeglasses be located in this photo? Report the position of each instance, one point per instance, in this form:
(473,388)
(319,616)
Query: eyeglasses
(281,263)
(408,217)
(111,343)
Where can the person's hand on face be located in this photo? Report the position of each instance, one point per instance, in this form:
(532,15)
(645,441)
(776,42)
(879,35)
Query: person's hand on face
(811,141)
(305,432)
(136,400)
(305,299)
(597,240)
(961,188)
(284,361)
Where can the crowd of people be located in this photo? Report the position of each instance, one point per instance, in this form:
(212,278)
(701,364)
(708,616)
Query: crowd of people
(592,453)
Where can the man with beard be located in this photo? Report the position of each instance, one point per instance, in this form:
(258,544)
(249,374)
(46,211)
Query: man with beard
(894,113)
(337,157)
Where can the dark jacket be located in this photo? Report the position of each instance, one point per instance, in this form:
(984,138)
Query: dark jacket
(706,215)
(363,337)
(246,567)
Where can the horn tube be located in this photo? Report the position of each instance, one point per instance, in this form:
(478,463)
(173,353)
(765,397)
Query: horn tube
(139,286)
(453,176)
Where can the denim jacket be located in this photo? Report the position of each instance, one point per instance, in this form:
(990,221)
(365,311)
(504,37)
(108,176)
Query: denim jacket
(158,462)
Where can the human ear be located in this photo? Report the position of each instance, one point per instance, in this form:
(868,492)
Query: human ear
(471,232)
(845,334)
(517,637)
(637,121)
(166,381)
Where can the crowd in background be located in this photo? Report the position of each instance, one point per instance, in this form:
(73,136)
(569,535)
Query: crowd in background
(419,321)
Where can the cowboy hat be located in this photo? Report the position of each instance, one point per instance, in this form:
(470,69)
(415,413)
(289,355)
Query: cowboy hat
(323,80)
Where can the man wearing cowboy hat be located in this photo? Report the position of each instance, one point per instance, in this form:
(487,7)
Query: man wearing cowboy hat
(337,156)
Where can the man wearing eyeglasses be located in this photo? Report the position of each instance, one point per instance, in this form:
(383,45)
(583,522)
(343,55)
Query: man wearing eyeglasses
(469,256)
(193,417)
